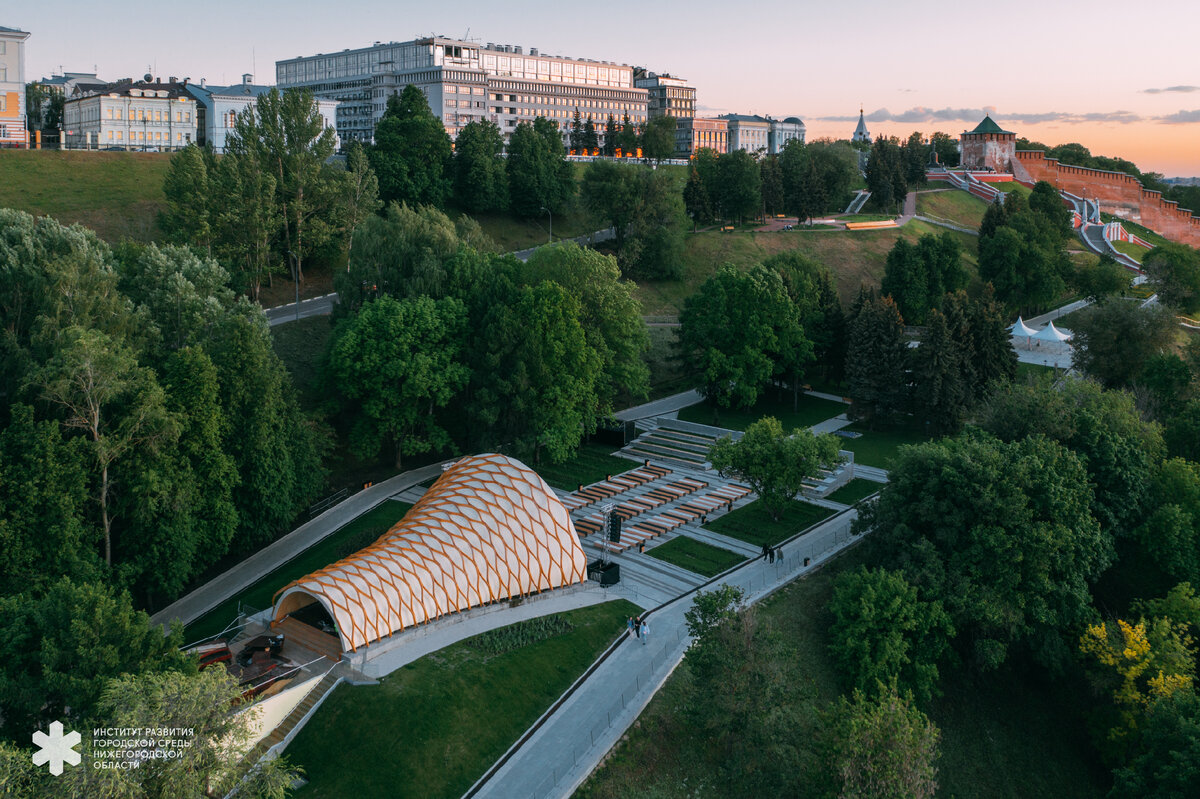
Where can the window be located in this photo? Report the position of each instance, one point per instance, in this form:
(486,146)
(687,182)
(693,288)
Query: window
(3,73)
(110,135)
(110,113)
(118,113)
(120,135)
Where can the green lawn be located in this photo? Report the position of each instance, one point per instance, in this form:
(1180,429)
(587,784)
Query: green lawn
(510,232)
(301,345)
(349,539)
(1133,227)
(593,462)
(696,556)
(1030,372)
(754,525)
(1012,186)
(878,447)
(431,728)
(1134,251)
(1002,737)
(855,490)
(960,207)
(116,194)
(810,410)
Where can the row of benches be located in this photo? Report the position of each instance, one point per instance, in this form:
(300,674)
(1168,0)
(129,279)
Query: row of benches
(645,529)
(613,486)
(636,506)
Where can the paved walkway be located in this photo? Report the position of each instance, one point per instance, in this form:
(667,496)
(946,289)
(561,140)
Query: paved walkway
(195,604)
(660,407)
(563,748)
(830,425)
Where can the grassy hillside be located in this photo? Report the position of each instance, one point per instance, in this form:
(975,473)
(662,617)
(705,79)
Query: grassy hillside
(854,257)
(116,194)
(952,205)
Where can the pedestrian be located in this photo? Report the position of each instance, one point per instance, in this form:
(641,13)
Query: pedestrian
(629,625)
(637,626)
(779,554)
(644,631)
(771,554)
(766,549)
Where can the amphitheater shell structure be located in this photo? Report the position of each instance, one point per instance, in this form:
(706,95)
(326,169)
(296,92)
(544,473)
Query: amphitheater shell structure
(489,529)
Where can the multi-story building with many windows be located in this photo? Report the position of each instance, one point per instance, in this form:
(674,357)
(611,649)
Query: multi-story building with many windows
(12,87)
(667,96)
(762,134)
(692,133)
(218,107)
(465,81)
(146,115)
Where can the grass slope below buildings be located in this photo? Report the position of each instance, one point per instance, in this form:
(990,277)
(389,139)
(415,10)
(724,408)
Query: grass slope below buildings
(431,728)
(1003,737)
(955,206)
(854,257)
(116,194)
(696,556)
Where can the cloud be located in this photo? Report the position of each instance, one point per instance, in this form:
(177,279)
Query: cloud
(1181,89)
(1181,117)
(921,114)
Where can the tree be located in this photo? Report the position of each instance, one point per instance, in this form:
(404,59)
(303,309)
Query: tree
(1002,534)
(360,194)
(627,139)
(43,499)
(804,192)
(739,185)
(36,96)
(246,223)
(397,361)
(186,186)
(1170,532)
(58,648)
(772,185)
(480,181)
(290,137)
(1182,432)
(906,280)
(411,154)
(886,173)
(658,139)
(696,199)
(575,137)
(100,390)
(885,634)
(1102,280)
(539,176)
(1113,340)
(811,288)
(653,247)
(608,311)
(1118,447)
(204,762)
(916,158)
(774,465)
(711,609)
(1022,249)
(883,748)
(1174,272)
(941,379)
(1167,760)
(611,191)
(876,356)
(946,147)
(734,331)
(610,137)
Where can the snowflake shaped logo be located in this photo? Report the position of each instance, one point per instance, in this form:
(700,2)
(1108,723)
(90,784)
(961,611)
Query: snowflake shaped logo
(56,748)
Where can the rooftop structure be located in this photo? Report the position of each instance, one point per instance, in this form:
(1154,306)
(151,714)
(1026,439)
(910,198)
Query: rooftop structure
(860,131)
(489,529)
(465,81)
(988,146)
(667,95)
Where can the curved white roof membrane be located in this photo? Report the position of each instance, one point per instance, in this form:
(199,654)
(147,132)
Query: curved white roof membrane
(488,529)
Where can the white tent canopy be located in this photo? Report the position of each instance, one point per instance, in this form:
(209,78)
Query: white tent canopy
(1019,328)
(1051,333)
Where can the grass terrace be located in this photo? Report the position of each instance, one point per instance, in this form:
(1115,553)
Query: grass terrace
(1134,251)
(809,411)
(433,727)
(958,207)
(359,533)
(1030,372)
(1133,227)
(118,195)
(696,556)
(854,491)
(592,463)
(879,447)
(753,523)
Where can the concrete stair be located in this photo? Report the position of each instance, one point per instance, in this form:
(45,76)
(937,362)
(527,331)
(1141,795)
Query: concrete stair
(289,723)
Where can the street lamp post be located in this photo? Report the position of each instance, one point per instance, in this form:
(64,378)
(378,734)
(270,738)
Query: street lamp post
(547,210)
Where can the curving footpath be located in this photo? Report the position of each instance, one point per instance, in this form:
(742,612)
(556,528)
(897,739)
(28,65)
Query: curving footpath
(557,754)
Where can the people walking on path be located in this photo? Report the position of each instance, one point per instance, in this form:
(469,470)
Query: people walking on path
(771,554)
(637,626)
(766,551)
(629,626)
(644,631)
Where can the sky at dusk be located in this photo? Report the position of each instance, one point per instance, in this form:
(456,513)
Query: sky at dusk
(1122,79)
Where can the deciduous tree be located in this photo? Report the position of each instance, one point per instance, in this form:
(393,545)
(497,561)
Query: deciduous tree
(411,154)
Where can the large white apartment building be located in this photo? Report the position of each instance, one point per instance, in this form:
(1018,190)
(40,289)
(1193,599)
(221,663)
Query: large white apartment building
(146,115)
(465,81)
(12,87)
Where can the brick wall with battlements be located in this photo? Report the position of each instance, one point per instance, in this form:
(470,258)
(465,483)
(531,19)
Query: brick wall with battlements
(1119,194)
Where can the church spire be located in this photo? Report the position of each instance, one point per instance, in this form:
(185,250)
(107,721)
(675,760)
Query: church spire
(861,133)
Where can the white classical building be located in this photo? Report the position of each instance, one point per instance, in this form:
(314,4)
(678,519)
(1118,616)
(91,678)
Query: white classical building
(12,87)
(465,81)
(766,135)
(145,115)
(218,108)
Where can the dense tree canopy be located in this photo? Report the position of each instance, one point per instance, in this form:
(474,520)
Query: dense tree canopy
(411,154)
(1114,340)
(539,176)
(480,177)
(876,357)
(1174,272)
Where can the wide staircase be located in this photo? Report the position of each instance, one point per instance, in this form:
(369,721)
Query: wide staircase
(674,444)
(281,731)
(298,635)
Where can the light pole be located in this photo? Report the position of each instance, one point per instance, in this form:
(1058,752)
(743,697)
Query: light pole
(295,281)
(547,210)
